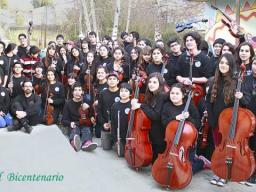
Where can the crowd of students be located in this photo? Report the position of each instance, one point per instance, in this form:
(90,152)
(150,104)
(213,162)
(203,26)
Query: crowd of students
(88,87)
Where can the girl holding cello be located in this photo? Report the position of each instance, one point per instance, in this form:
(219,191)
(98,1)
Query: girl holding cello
(221,96)
(172,110)
(152,107)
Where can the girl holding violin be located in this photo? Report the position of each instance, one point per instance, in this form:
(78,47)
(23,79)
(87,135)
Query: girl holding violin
(52,95)
(53,61)
(76,62)
(221,96)
(80,134)
(152,107)
(118,65)
(104,57)
(38,78)
(173,110)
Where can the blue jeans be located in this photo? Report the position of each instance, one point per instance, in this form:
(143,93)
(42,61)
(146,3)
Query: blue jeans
(84,133)
(5,120)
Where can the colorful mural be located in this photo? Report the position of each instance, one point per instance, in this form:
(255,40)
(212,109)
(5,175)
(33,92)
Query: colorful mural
(218,29)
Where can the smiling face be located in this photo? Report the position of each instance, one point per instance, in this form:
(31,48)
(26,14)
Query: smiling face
(101,74)
(124,94)
(224,65)
(153,84)
(244,53)
(190,43)
(176,96)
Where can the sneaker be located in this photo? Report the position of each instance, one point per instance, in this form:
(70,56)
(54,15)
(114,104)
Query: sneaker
(27,128)
(89,146)
(214,180)
(76,143)
(251,182)
(221,182)
(207,163)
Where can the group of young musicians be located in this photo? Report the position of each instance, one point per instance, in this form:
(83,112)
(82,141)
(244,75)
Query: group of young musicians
(89,87)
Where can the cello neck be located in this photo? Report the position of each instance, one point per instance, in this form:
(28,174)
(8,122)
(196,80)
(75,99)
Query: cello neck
(233,123)
(131,121)
(181,123)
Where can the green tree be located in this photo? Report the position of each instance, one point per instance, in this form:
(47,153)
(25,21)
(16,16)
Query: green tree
(3,4)
(41,3)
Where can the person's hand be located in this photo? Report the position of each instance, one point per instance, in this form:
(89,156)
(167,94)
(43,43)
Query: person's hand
(93,120)
(134,104)
(50,100)
(238,95)
(107,126)
(85,106)
(2,113)
(21,114)
(182,116)
(187,81)
(73,125)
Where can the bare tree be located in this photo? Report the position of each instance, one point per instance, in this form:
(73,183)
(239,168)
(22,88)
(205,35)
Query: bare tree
(116,19)
(86,15)
(79,7)
(94,22)
(128,15)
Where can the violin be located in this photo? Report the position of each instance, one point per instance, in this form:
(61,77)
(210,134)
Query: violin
(203,132)
(198,91)
(232,159)
(172,169)
(85,117)
(49,109)
(138,150)
(88,79)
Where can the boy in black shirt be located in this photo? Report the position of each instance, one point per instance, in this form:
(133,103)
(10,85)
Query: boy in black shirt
(119,126)
(106,99)
(80,126)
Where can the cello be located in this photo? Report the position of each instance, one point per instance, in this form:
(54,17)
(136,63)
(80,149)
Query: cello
(232,159)
(172,169)
(138,150)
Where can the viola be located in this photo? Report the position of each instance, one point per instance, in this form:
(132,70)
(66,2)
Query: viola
(198,93)
(38,89)
(85,117)
(49,109)
(88,79)
(172,169)
(138,150)
(49,120)
(203,132)
(232,159)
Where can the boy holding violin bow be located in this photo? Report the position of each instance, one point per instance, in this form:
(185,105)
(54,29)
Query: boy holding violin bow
(77,116)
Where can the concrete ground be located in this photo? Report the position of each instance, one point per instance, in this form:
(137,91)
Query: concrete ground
(47,152)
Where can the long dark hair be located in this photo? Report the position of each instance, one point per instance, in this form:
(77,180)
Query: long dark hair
(150,96)
(252,53)
(48,57)
(229,80)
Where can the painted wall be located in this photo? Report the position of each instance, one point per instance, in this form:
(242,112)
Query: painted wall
(217,29)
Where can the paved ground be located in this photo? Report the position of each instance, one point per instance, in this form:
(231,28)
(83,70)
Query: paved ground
(46,151)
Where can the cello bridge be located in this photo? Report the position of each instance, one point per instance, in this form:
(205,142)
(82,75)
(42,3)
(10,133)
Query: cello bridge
(231,146)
